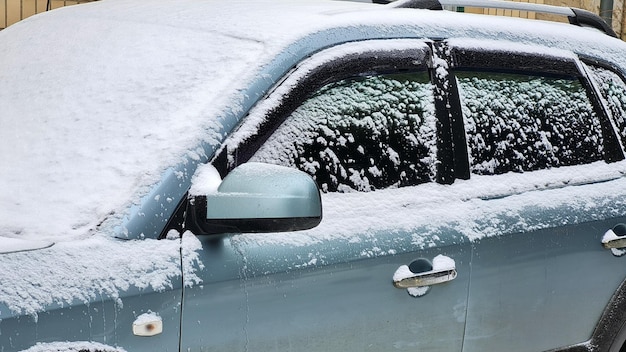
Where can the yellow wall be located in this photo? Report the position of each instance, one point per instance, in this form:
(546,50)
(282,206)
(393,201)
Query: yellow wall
(12,11)
(619,15)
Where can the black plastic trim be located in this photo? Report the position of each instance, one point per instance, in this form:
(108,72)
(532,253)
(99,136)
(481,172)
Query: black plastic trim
(504,61)
(582,18)
(418,4)
(585,18)
(451,137)
(354,65)
(612,147)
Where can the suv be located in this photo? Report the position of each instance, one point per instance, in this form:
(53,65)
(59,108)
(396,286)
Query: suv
(165,166)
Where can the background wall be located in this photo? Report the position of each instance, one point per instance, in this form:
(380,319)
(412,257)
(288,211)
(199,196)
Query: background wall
(12,11)
(615,13)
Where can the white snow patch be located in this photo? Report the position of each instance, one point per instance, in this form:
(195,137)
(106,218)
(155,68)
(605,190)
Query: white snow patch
(474,208)
(205,181)
(442,263)
(73,347)
(418,291)
(403,272)
(91,269)
(610,235)
(191,246)
(147,318)
(10,245)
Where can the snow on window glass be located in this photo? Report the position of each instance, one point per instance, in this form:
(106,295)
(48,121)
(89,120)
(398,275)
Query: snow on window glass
(522,123)
(361,134)
(613,91)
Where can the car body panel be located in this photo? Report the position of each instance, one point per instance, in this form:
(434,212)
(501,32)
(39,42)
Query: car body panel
(173,103)
(309,297)
(556,275)
(89,293)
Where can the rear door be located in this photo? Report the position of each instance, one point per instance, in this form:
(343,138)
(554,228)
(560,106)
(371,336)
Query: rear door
(543,164)
(361,119)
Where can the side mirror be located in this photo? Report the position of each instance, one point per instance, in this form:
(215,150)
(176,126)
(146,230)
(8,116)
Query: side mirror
(257,197)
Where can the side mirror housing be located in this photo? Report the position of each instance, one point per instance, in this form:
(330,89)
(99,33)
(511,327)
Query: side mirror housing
(257,197)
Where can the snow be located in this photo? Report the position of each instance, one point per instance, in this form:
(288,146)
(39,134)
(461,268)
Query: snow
(147,318)
(96,267)
(484,206)
(205,181)
(10,245)
(77,346)
(191,245)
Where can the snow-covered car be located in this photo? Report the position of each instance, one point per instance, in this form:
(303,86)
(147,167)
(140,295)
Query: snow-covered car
(166,164)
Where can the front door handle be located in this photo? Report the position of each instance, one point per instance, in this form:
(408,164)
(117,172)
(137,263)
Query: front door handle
(421,272)
(615,238)
(425,279)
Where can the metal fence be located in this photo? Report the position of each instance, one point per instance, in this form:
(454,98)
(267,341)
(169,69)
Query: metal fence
(12,11)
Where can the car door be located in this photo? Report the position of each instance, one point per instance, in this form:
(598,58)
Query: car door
(544,166)
(360,118)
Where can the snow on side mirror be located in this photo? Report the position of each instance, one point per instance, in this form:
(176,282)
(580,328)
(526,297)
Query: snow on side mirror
(254,197)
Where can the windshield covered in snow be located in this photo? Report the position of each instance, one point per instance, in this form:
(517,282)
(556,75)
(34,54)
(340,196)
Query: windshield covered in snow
(86,127)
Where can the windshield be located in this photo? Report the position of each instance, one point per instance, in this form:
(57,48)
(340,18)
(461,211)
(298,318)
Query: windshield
(88,124)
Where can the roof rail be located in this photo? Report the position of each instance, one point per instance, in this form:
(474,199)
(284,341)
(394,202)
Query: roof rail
(575,16)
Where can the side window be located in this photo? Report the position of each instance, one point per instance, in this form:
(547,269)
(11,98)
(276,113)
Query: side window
(520,122)
(613,90)
(361,134)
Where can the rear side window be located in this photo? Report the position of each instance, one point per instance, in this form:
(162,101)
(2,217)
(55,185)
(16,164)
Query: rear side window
(361,134)
(519,122)
(613,91)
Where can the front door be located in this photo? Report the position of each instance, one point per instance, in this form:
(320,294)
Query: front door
(366,130)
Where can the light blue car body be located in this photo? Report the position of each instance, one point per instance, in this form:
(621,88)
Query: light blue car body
(541,285)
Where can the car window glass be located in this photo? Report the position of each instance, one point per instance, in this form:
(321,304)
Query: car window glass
(613,90)
(361,134)
(518,122)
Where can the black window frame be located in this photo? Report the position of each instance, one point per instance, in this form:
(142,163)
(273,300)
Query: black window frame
(606,65)
(503,61)
(364,63)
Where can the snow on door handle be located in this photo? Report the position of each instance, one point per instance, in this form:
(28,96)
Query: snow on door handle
(615,240)
(443,270)
(424,279)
